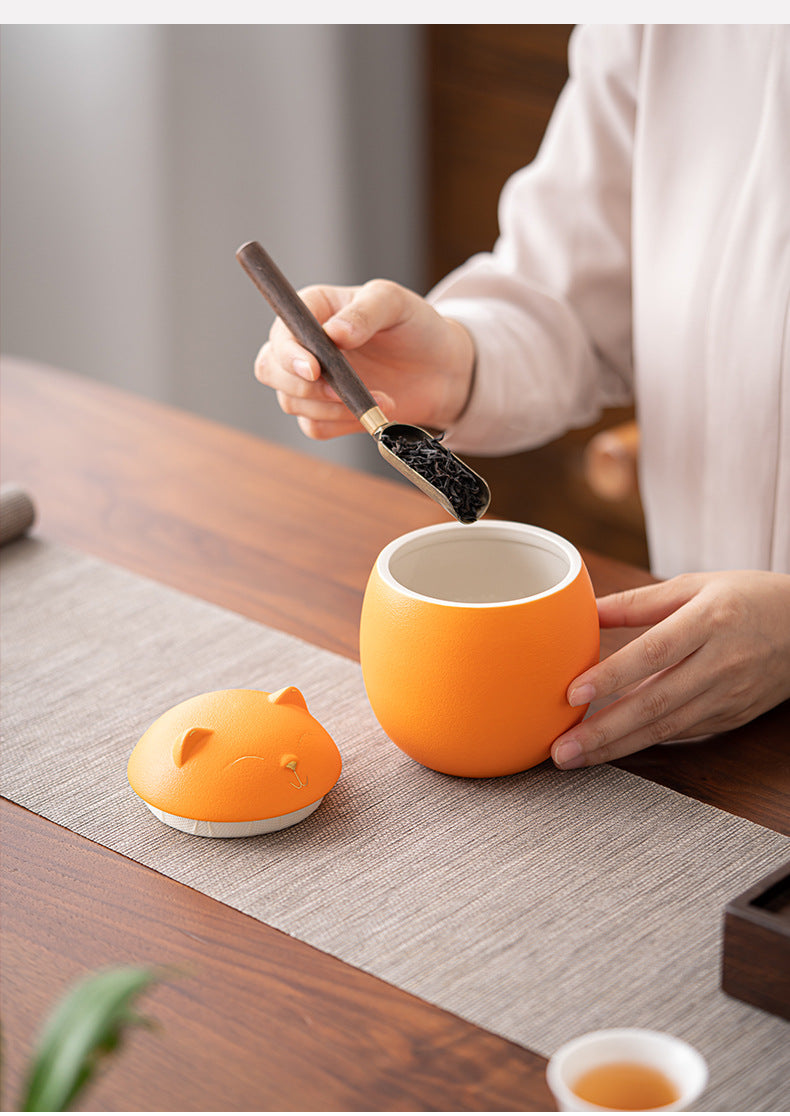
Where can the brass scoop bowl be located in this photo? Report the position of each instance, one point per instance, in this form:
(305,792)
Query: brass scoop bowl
(414,452)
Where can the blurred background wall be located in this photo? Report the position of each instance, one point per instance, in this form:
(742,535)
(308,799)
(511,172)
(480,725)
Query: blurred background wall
(137,158)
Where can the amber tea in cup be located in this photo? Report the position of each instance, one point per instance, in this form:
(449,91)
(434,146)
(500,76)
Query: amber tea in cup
(626,1085)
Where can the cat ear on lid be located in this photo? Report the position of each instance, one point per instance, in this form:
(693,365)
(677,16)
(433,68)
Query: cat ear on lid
(289,695)
(186,745)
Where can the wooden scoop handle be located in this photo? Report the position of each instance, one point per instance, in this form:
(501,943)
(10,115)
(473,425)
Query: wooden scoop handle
(305,327)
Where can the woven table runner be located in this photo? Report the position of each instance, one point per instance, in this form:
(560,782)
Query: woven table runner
(538,906)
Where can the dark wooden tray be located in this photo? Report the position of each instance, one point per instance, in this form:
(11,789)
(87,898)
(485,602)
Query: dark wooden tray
(756,949)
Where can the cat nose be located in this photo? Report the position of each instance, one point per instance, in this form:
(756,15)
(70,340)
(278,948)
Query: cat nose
(289,762)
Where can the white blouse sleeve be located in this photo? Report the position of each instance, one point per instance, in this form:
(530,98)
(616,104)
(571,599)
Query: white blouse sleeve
(550,307)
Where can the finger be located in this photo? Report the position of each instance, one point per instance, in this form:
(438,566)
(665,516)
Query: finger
(318,410)
(342,311)
(378,305)
(323,302)
(283,351)
(322,422)
(596,744)
(322,431)
(271,373)
(665,644)
(651,711)
(647,604)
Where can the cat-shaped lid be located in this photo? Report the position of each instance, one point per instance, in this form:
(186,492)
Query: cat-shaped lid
(235,756)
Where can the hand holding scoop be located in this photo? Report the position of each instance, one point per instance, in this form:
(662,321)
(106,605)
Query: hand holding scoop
(414,452)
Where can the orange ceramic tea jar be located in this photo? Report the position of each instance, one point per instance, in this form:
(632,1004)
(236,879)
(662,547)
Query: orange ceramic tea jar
(469,639)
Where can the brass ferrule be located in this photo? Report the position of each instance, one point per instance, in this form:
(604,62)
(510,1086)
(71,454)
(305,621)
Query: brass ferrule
(373,419)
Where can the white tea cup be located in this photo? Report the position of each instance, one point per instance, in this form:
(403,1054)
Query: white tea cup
(681,1065)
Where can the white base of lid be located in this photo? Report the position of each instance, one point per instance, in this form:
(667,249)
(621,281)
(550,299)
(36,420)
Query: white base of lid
(234,829)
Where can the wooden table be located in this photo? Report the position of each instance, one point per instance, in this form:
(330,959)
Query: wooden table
(259,1020)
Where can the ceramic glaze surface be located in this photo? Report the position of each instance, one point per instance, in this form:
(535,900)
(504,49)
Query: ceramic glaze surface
(235,756)
(469,638)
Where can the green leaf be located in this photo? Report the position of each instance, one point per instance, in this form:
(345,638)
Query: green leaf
(87,1024)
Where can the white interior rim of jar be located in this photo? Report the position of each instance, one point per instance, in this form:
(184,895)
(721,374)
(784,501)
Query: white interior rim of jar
(539,561)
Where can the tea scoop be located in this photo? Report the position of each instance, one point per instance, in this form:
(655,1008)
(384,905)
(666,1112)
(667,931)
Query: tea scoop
(417,454)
